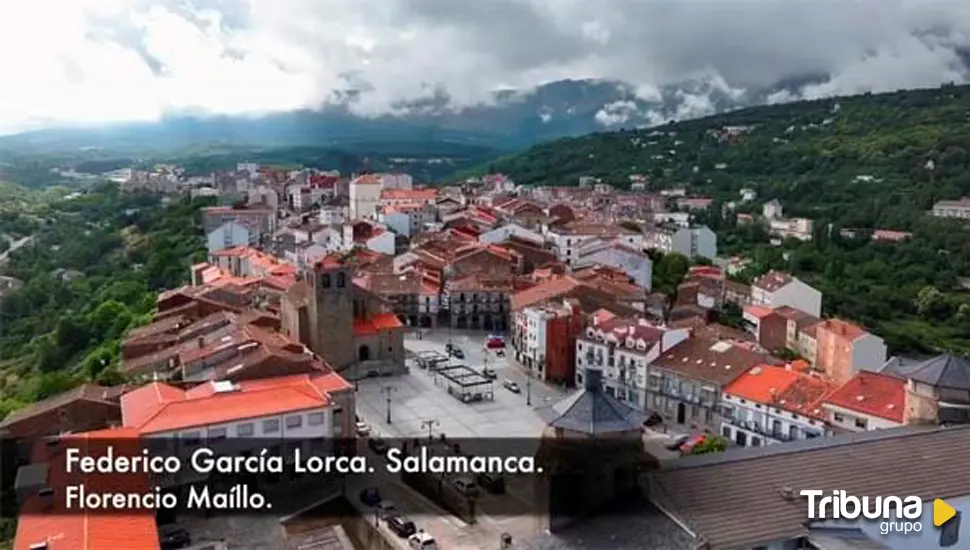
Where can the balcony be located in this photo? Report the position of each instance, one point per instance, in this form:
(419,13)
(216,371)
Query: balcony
(757,428)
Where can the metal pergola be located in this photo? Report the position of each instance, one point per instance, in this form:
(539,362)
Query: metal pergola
(431,360)
(466,383)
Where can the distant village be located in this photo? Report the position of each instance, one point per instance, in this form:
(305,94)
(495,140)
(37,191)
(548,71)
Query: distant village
(316,281)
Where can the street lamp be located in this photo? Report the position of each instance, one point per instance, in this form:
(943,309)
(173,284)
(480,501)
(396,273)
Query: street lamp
(387,391)
(430,424)
(528,388)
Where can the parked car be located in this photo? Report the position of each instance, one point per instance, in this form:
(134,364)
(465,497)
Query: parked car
(677,442)
(493,483)
(495,342)
(457,353)
(378,445)
(466,486)
(653,420)
(500,353)
(422,541)
(694,441)
(363,429)
(401,526)
(370,496)
(172,537)
(511,386)
(489,372)
(386,509)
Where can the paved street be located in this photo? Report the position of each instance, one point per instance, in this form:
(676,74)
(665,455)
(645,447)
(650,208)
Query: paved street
(416,399)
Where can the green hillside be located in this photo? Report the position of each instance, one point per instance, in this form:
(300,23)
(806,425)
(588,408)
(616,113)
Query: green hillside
(910,147)
(807,154)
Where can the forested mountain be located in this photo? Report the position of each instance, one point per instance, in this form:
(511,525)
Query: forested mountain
(869,161)
(92,269)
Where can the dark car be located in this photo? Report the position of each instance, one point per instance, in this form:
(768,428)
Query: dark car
(172,537)
(653,420)
(401,526)
(378,445)
(370,496)
(493,483)
(456,352)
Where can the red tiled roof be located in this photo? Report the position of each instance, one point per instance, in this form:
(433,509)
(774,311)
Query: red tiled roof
(872,393)
(544,291)
(772,281)
(781,387)
(839,327)
(409,194)
(377,323)
(44,521)
(759,312)
(158,407)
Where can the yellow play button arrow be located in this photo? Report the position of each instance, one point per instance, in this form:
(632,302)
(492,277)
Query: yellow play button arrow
(942,512)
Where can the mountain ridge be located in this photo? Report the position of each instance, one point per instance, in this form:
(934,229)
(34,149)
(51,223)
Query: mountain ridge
(515,119)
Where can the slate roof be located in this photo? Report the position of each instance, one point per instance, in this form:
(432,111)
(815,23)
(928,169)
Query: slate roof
(633,525)
(913,460)
(842,538)
(945,371)
(592,411)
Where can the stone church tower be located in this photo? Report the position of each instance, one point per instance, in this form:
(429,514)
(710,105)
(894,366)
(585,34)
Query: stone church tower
(331,311)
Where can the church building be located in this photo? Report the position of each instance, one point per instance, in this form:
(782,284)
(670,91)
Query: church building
(351,328)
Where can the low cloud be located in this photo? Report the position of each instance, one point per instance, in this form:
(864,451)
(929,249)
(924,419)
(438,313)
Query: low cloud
(89,61)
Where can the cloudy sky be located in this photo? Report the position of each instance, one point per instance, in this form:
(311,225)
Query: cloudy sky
(83,61)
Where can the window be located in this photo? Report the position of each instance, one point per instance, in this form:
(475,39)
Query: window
(191,439)
(341,280)
(271,426)
(244,430)
(294,421)
(755,441)
(860,423)
(217,433)
(838,417)
(325,280)
(314,419)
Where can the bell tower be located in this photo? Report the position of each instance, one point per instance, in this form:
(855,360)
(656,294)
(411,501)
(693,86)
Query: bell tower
(331,310)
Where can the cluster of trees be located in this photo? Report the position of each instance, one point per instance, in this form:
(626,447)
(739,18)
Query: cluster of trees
(92,271)
(912,293)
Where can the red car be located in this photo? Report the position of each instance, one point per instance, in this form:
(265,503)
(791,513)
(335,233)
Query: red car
(689,445)
(494,342)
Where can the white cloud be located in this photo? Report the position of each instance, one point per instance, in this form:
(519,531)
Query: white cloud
(83,61)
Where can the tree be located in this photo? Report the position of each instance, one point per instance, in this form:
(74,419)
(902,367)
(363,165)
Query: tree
(669,271)
(711,444)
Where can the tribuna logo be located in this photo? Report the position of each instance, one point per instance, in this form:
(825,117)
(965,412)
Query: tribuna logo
(840,505)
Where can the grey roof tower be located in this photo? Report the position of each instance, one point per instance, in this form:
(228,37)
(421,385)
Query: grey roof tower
(592,411)
(944,371)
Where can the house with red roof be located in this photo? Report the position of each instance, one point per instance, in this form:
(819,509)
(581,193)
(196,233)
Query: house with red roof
(867,401)
(844,348)
(623,348)
(775,289)
(774,404)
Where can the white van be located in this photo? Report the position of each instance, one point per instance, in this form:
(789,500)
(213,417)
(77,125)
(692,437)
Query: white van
(422,541)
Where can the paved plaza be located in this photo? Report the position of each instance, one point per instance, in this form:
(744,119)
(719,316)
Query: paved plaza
(417,399)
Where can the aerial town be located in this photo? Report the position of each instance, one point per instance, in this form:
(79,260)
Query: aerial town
(366,307)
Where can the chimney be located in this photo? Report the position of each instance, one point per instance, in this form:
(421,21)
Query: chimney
(594,380)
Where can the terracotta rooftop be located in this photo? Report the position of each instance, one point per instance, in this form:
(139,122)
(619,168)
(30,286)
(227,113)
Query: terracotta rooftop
(377,323)
(872,393)
(47,521)
(783,388)
(709,360)
(842,328)
(772,281)
(159,407)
